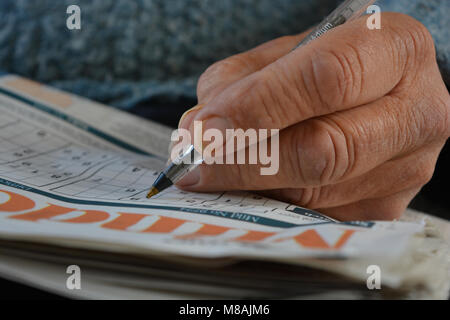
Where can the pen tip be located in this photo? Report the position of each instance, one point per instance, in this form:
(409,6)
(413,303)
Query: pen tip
(153,192)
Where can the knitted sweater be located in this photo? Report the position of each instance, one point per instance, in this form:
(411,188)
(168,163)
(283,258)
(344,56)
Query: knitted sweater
(144,54)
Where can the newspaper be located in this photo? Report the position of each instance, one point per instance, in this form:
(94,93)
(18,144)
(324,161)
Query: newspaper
(74,173)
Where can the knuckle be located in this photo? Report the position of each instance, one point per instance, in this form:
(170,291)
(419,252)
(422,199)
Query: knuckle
(415,37)
(311,161)
(338,150)
(434,114)
(421,39)
(316,198)
(280,89)
(322,155)
(265,94)
(332,77)
(417,171)
(350,62)
(423,173)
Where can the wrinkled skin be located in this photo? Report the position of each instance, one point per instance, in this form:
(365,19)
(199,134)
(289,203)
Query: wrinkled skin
(363,116)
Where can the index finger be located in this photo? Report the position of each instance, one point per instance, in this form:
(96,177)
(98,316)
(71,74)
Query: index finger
(347,67)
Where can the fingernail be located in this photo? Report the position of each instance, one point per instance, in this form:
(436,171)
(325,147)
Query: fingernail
(196,108)
(190,179)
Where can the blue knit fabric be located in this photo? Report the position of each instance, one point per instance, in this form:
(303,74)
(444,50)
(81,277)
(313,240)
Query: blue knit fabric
(131,52)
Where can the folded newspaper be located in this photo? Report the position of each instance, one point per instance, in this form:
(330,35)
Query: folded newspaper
(73,181)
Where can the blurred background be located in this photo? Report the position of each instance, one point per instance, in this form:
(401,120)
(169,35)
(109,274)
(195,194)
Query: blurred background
(145,56)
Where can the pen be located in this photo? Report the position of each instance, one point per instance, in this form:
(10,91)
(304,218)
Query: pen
(190,159)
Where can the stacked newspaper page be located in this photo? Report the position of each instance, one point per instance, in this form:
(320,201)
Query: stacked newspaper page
(73,181)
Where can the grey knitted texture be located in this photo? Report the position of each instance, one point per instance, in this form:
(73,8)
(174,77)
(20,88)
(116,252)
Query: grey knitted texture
(131,51)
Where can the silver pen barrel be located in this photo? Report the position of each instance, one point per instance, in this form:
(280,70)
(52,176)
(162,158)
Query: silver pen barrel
(185,163)
(347,11)
(188,160)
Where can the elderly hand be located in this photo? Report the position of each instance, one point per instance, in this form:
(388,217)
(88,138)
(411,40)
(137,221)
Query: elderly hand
(363,116)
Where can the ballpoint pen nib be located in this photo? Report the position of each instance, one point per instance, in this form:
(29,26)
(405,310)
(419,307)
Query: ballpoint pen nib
(153,192)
